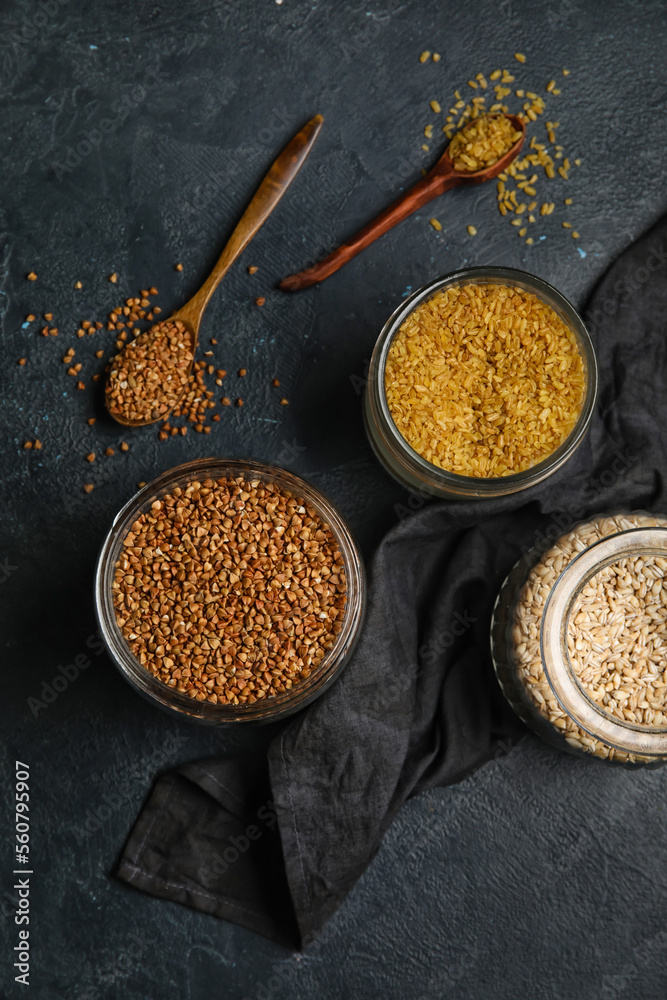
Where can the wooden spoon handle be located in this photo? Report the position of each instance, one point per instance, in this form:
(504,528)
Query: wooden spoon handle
(268,194)
(423,191)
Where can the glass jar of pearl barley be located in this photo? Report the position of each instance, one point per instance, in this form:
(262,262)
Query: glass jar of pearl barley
(579,639)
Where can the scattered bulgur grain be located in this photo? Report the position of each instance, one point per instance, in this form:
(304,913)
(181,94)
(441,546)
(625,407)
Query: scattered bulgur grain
(436,225)
(253,269)
(575,236)
(472,231)
(88,487)
(37,444)
(436,57)
(27,445)
(435,107)
(32,276)
(484,404)
(226,401)
(482,142)
(239,402)
(260,301)
(91,421)
(81,385)
(284,402)
(275,383)
(113,278)
(22,361)
(109,452)
(178,267)
(77,284)
(424,56)
(214,341)
(30,318)
(90,457)
(520,57)
(243,371)
(99,354)
(124,446)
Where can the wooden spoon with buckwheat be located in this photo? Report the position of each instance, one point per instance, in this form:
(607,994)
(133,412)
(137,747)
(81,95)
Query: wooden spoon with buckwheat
(151,374)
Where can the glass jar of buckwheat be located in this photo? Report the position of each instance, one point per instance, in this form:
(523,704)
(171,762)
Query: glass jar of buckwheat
(579,639)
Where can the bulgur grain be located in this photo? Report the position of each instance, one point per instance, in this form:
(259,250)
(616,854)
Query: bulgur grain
(484,380)
(482,142)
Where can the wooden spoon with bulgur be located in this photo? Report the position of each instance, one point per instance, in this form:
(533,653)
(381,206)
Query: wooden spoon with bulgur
(478,153)
(151,374)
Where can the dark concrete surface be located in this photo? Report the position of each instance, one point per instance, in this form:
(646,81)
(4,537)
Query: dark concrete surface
(540,876)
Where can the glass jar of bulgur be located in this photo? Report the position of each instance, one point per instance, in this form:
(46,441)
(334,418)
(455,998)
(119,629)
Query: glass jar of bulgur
(481,384)
(579,639)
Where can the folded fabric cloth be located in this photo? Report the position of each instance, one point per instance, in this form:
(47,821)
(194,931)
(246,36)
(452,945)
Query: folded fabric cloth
(275,844)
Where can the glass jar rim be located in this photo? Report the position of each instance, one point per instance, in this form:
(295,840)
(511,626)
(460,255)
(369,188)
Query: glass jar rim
(472,485)
(570,694)
(263,710)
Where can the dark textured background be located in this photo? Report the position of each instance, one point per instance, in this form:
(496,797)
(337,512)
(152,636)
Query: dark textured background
(540,876)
